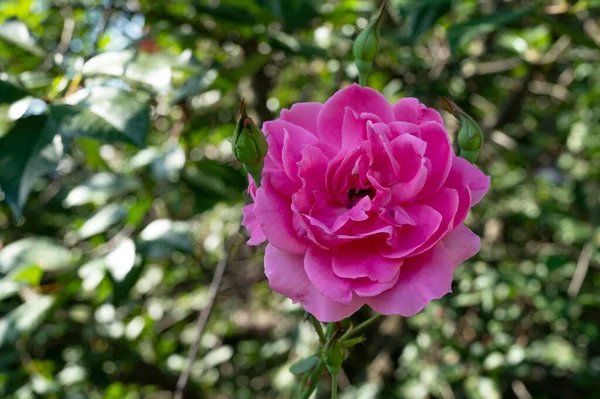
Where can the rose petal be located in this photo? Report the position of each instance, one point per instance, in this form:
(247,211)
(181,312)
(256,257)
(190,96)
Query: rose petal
(422,278)
(461,244)
(407,110)
(319,269)
(253,225)
(275,132)
(275,215)
(357,262)
(359,99)
(440,153)
(304,115)
(366,287)
(445,201)
(427,221)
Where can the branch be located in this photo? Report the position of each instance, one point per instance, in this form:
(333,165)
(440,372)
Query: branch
(230,249)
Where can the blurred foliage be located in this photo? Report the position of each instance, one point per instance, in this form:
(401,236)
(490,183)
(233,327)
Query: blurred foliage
(119,190)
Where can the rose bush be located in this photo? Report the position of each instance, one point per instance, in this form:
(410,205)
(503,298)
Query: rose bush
(362,202)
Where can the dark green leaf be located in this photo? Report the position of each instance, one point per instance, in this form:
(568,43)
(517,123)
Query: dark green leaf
(466,31)
(304,365)
(576,35)
(29,150)
(422,16)
(10,92)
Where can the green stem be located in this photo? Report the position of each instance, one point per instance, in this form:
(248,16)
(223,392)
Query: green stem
(318,328)
(334,386)
(363,79)
(311,384)
(361,327)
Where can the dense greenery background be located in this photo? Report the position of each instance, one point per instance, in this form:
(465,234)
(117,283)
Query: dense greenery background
(119,190)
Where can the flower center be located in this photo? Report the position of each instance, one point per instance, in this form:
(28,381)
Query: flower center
(355,195)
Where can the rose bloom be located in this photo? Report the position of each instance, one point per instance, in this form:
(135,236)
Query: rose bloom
(362,203)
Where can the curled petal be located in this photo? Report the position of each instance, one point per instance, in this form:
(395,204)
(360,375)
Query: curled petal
(356,262)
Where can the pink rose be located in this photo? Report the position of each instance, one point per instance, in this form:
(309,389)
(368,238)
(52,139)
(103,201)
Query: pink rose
(363,203)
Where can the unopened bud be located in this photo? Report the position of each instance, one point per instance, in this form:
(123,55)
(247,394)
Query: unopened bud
(249,145)
(334,357)
(366,45)
(470,135)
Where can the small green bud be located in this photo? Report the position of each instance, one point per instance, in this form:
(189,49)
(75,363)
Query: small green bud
(334,357)
(249,145)
(366,45)
(470,135)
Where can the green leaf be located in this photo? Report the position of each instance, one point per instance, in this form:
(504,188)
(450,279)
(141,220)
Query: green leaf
(24,319)
(17,33)
(153,69)
(304,365)
(295,14)
(576,35)
(161,237)
(9,289)
(31,275)
(104,113)
(422,16)
(102,221)
(120,260)
(10,92)
(39,251)
(467,31)
(99,188)
(29,150)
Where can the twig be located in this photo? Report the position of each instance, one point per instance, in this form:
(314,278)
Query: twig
(583,263)
(65,41)
(101,26)
(230,249)
(361,327)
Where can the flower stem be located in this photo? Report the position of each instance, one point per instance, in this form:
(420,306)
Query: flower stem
(334,386)
(311,384)
(318,328)
(361,327)
(363,79)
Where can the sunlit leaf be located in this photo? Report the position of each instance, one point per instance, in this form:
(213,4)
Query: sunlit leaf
(102,220)
(17,33)
(38,251)
(24,319)
(99,188)
(104,113)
